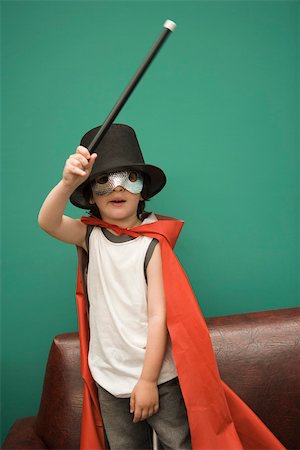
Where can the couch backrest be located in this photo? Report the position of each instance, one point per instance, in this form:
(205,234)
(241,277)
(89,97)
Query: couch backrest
(258,357)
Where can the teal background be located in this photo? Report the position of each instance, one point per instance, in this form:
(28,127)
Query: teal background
(218,109)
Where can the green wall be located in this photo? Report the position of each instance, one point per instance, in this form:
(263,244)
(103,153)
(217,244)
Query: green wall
(218,110)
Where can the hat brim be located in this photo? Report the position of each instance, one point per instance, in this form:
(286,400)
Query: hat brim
(156,181)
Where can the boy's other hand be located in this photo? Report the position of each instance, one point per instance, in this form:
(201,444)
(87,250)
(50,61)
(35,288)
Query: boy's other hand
(78,167)
(144,400)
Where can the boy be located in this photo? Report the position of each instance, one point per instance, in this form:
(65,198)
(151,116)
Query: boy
(130,356)
(134,288)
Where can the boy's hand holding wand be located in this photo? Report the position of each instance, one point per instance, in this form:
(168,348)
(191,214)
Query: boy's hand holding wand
(78,167)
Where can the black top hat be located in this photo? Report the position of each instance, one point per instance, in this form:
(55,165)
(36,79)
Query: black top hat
(118,150)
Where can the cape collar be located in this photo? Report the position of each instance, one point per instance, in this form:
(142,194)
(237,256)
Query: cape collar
(164,227)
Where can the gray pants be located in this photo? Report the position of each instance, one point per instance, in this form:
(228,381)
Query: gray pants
(170,422)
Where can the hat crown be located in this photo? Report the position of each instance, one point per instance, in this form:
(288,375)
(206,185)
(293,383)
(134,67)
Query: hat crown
(118,148)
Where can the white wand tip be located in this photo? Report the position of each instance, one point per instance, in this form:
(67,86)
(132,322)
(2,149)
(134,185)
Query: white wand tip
(170,25)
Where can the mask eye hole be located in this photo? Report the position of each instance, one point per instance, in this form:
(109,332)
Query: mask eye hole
(102,180)
(133,176)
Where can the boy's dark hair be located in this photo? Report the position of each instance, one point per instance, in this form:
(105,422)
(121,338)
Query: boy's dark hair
(87,193)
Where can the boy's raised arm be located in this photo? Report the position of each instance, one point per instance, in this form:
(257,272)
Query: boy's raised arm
(51,217)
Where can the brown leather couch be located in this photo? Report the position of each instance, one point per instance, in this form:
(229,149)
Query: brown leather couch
(258,356)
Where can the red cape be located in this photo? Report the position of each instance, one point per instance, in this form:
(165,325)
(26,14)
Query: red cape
(218,418)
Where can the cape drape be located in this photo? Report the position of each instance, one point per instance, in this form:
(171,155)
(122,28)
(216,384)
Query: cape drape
(218,418)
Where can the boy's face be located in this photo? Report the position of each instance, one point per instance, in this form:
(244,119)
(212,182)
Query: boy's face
(118,204)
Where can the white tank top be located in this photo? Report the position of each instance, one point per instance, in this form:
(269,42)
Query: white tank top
(117,292)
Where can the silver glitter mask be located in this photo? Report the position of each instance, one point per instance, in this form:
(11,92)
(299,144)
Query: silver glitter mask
(131,181)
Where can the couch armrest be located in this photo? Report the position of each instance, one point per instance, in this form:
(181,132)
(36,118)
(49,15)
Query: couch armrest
(22,436)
